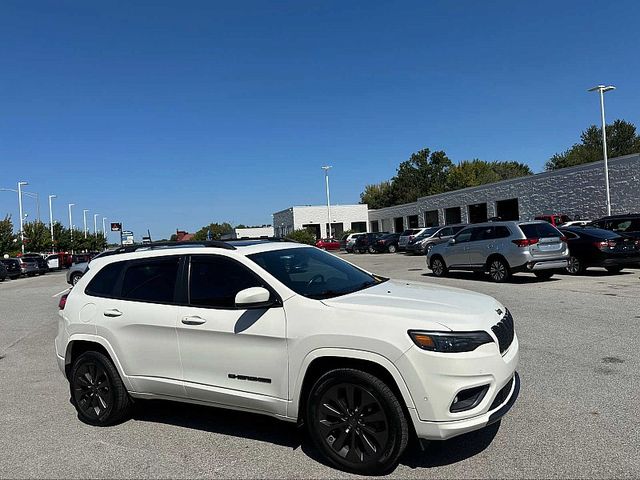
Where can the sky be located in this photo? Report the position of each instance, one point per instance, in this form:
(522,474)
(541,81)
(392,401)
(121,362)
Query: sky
(166,115)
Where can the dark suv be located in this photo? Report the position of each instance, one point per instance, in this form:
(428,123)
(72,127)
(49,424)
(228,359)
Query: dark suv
(365,242)
(13,267)
(621,224)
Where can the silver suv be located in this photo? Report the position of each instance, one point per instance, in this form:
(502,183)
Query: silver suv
(501,249)
(423,243)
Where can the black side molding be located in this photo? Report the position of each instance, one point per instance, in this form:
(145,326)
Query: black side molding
(502,411)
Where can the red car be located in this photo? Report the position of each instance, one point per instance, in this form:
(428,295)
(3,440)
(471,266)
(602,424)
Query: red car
(328,244)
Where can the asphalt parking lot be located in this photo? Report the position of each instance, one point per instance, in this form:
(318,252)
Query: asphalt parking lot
(576,416)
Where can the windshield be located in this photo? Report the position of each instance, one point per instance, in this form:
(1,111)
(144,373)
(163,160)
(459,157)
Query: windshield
(314,273)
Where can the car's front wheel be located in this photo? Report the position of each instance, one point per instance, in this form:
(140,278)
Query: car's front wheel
(371,249)
(356,421)
(97,391)
(438,267)
(392,249)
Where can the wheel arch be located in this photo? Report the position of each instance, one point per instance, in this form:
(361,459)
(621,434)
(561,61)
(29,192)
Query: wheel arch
(320,361)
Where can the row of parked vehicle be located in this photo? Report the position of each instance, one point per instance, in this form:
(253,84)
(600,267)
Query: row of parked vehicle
(32,264)
(542,246)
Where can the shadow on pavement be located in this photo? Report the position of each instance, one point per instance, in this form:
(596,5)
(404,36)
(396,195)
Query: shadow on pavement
(517,279)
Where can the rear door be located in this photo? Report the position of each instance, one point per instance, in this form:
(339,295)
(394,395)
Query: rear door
(481,245)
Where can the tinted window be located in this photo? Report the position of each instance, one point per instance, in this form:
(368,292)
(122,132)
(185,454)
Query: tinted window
(445,232)
(501,232)
(103,283)
(540,230)
(625,225)
(457,229)
(216,280)
(482,233)
(151,281)
(464,235)
(569,235)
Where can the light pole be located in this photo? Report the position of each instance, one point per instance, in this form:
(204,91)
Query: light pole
(95,223)
(104,228)
(602,89)
(71,225)
(84,216)
(326,178)
(51,197)
(20,185)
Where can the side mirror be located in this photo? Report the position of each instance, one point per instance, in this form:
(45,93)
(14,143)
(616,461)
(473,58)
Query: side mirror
(253,297)
(452,241)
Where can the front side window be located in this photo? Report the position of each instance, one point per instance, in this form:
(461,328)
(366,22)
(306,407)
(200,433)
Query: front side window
(215,280)
(313,273)
(151,281)
(482,233)
(464,235)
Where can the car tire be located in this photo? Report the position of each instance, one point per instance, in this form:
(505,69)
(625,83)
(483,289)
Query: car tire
(392,249)
(544,275)
(360,414)
(97,391)
(438,267)
(75,278)
(371,249)
(575,266)
(614,270)
(499,271)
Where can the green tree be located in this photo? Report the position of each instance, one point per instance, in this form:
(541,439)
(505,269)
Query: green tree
(7,238)
(425,173)
(216,229)
(302,236)
(37,237)
(377,195)
(471,173)
(621,140)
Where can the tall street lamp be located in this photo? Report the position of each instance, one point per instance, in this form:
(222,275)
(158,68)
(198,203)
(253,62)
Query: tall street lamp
(104,228)
(326,178)
(95,223)
(601,89)
(84,216)
(71,225)
(51,197)
(20,185)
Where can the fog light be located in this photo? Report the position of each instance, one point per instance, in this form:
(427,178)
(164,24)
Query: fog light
(468,399)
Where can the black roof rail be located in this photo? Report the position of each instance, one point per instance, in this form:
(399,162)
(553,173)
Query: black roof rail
(262,239)
(163,245)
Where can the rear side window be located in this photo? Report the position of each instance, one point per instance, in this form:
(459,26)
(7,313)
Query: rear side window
(151,281)
(501,232)
(540,230)
(625,225)
(103,284)
(215,280)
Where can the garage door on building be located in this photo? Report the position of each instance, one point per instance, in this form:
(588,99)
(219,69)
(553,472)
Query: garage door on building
(452,215)
(508,209)
(477,213)
(431,218)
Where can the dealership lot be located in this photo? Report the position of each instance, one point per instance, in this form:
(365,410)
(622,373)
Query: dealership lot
(576,416)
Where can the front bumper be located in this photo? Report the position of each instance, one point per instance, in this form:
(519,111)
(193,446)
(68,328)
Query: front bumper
(445,430)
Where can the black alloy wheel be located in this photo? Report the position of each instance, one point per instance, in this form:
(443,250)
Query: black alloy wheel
(575,266)
(357,421)
(97,391)
(438,267)
(499,270)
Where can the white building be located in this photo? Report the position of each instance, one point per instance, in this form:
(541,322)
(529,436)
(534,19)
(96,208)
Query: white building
(254,232)
(314,217)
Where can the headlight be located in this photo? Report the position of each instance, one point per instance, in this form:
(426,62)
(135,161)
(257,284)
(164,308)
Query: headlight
(449,342)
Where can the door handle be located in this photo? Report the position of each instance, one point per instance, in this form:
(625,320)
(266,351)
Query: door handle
(114,312)
(194,320)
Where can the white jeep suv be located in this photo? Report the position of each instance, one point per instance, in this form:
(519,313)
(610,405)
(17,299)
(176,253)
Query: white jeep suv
(291,331)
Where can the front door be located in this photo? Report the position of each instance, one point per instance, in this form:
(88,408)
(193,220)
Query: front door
(231,356)
(457,253)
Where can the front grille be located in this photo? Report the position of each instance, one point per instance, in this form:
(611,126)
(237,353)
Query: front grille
(502,395)
(503,331)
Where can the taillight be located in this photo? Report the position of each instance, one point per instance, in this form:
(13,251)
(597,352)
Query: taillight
(525,242)
(605,244)
(63,301)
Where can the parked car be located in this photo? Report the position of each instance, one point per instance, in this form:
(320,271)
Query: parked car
(57,261)
(501,249)
(555,219)
(425,241)
(13,267)
(574,223)
(596,247)
(328,244)
(348,241)
(262,329)
(364,243)
(387,243)
(32,264)
(3,272)
(75,271)
(622,224)
(408,235)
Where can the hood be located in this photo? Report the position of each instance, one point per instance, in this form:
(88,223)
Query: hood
(425,304)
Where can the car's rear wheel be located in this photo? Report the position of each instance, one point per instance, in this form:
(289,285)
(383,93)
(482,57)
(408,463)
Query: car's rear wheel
(574,266)
(614,269)
(97,390)
(438,267)
(75,278)
(371,249)
(543,275)
(392,249)
(356,421)
(499,271)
